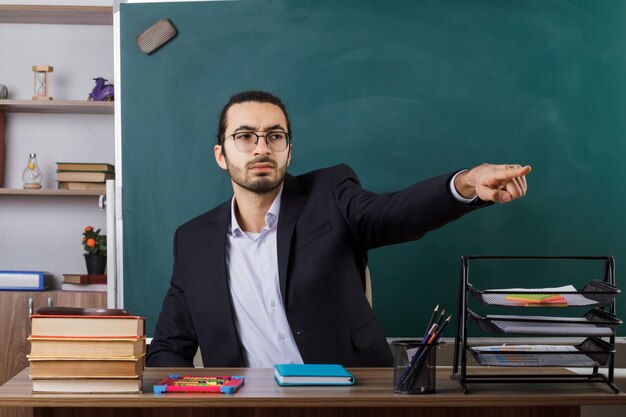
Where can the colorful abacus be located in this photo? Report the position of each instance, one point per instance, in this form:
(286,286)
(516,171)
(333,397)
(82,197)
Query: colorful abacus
(188,383)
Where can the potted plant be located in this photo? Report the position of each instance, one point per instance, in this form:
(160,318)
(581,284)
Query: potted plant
(95,245)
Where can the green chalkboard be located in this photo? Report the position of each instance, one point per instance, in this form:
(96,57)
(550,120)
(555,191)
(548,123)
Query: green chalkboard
(400,91)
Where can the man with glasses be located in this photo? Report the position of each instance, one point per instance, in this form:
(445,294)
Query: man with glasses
(276,274)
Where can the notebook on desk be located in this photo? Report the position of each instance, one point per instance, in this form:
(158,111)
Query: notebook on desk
(312,374)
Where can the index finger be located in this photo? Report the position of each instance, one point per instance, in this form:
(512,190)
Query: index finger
(508,173)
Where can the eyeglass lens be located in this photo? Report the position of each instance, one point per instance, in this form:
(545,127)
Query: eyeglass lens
(247,141)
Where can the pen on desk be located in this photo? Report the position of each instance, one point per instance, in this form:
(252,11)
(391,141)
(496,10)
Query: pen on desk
(428,337)
(432,320)
(434,338)
(441,329)
(429,333)
(441,317)
(425,340)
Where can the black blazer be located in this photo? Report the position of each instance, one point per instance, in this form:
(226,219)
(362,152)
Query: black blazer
(327,224)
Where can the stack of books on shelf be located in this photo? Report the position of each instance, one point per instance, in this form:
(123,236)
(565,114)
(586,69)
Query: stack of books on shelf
(84,175)
(84,282)
(87,353)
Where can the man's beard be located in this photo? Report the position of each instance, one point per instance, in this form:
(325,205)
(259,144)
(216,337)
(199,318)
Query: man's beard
(257,184)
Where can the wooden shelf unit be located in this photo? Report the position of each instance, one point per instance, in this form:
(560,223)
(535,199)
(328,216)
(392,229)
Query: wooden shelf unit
(14,322)
(58,15)
(51,192)
(57,106)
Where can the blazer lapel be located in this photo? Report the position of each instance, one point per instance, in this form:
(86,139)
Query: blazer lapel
(219,288)
(290,209)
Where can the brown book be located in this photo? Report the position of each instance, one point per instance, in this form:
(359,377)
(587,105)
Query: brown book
(84,176)
(85,278)
(74,185)
(64,367)
(96,326)
(87,347)
(87,386)
(85,166)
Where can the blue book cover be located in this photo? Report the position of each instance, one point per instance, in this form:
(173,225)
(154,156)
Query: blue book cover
(312,374)
(23,280)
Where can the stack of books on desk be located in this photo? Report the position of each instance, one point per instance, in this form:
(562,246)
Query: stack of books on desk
(87,354)
(84,176)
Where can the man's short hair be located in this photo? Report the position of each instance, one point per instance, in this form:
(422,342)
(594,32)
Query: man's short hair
(246,96)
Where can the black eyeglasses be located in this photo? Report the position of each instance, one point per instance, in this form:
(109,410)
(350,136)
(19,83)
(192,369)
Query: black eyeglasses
(247,141)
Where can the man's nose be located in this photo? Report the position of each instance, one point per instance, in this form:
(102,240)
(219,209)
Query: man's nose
(262,146)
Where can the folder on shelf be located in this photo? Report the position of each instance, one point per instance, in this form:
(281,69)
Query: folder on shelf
(24,280)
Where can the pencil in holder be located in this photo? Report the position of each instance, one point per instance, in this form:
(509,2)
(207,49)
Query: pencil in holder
(415,366)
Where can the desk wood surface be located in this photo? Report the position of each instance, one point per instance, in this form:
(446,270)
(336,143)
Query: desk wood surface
(373,388)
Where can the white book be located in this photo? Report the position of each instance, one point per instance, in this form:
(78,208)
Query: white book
(87,385)
(66,286)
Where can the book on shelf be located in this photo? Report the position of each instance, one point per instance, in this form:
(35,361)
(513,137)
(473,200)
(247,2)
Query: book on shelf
(87,346)
(80,367)
(87,385)
(85,166)
(66,286)
(85,278)
(76,185)
(24,280)
(312,374)
(84,176)
(75,325)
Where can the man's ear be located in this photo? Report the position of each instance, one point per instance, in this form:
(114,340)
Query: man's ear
(220,158)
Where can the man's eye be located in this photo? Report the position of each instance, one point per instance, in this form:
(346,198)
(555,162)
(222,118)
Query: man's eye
(276,136)
(245,136)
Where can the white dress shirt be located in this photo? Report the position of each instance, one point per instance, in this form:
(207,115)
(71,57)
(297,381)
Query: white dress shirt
(252,264)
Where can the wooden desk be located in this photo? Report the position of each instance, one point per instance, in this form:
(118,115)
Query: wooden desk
(372,395)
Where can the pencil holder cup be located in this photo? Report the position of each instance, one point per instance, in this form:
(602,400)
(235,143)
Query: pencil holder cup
(415,366)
